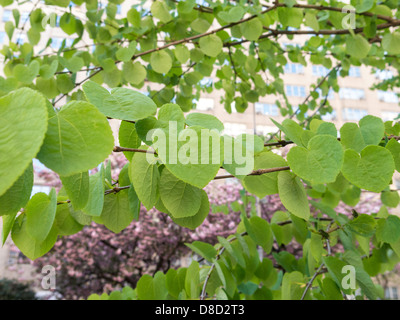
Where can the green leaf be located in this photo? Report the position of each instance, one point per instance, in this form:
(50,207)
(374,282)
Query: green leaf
(18,195)
(200,25)
(160,11)
(126,54)
(237,255)
(226,277)
(388,230)
(22,113)
(394,147)
(364,225)
(182,53)
(78,139)
(239,155)
(47,70)
(169,115)
(391,43)
(128,137)
(40,215)
(8,223)
(320,163)
(189,155)
(233,15)
(370,132)
(122,103)
(9,29)
(194,221)
(390,198)
(293,195)
(28,245)
(204,120)
(372,171)
(192,281)
(251,29)
(74,64)
(357,46)
(181,199)
(77,188)
(293,131)
(175,281)
(211,45)
(161,61)
(134,73)
(148,288)
(26,74)
(312,21)
(94,205)
(65,222)
(335,267)
(265,184)
(145,177)
(68,23)
(206,250)
(116,214)
(260,231)
(364,6)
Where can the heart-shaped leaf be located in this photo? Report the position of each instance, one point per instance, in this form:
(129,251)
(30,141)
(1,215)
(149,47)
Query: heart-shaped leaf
(320,162)
(28,245)
(265,184)
(40,214)
(369,132)
(189,155)
(181,199)
(239,153)
(293,195)
(143,172)
(372,171)
(78,139)
(169,115)
(18,195)
(122,103)
(23,123)
(26,74)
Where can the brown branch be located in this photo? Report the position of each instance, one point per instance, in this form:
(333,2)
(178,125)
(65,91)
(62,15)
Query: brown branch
(122,149)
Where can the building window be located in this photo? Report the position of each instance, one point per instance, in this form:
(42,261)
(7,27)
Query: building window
(383,74)
(206,82)
(56,42)
(354,114)
(319,71)
(24,17)
(20,39)
(2,36)
(290,45)
(329,116)
(119,9)
(234,129)
(389,115)
(391,293)
(295,91)
(351,93)
(13,257)
(205,104)
(7,15)
(268,109)
(388,96)
(330,94)
(355,72)
(294,68)
(265,130)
